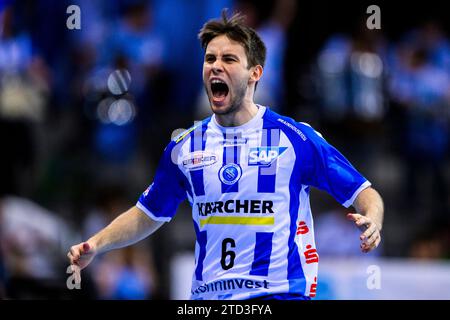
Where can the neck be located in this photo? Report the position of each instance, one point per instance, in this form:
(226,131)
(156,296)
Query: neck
(243,114)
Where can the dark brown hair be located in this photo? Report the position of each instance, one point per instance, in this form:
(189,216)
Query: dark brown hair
(235,29)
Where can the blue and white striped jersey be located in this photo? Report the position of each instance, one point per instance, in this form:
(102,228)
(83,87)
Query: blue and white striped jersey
(249,190)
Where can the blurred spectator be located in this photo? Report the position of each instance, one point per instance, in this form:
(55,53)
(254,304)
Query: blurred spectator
(24,87)
(350,76)
(135,45)
(23,75)
(351,73)
(431,37)
(332,66)
(33,244)
(180,21)
(421,91)
(368,75)
(125,274)
(273,31)
(430,244)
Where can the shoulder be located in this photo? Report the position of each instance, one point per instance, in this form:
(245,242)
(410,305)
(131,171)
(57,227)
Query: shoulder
(184,135)
(176,148)
(296,131)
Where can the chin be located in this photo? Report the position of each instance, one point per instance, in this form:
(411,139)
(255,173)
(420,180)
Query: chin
(225,109)
(222,107)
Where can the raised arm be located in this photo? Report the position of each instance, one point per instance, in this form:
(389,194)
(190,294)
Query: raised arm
(130,227)
(369,218)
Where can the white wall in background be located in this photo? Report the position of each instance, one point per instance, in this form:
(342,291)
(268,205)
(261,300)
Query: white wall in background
(347,278)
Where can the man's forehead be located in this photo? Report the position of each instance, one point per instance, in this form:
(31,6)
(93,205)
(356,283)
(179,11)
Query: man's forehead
(223,45)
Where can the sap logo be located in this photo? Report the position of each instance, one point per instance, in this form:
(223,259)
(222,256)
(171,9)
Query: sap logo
(264,156)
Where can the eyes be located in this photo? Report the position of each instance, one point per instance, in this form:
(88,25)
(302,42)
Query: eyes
(209,58)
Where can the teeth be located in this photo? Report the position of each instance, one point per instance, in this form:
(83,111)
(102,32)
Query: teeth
(217,81)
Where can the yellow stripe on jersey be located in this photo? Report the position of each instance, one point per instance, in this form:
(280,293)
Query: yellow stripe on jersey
(238,220)
(183,134)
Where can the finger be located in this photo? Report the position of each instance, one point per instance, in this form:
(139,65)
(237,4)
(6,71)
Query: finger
(75,268)
(371,240)
(370,231)
(363,220)
(72,259)
(366,249)
(356,217)
(75,253)
(353,216)
(359,220)
(363,223)
(377,241)
(369,247)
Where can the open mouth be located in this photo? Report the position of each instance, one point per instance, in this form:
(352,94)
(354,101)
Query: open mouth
(219,89)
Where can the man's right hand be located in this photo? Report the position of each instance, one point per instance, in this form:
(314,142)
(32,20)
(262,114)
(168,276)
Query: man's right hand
(81,254)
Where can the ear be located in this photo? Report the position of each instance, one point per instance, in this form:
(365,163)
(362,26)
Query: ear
(257,72)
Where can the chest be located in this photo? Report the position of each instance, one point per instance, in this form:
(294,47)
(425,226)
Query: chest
(235,162)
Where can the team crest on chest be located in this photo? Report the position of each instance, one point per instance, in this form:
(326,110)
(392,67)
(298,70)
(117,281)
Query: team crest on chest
(230,173)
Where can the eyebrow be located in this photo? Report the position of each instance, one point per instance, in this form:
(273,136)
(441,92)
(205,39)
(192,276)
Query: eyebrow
(226,55)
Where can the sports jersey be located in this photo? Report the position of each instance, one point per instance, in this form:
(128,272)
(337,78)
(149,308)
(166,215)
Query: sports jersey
(249,190)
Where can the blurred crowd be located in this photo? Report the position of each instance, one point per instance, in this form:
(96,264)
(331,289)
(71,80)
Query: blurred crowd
(85,115)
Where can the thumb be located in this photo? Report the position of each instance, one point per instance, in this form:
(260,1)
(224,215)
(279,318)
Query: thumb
(86,247)
(355,217)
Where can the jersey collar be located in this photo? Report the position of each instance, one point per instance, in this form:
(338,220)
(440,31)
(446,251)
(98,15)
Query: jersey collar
(252,123)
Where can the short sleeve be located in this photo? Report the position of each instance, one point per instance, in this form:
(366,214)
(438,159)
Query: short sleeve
(325,168)
(168,189)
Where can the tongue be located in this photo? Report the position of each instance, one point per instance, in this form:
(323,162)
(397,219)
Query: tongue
(220,94)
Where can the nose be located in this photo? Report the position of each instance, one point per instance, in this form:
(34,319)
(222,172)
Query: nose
(217,66)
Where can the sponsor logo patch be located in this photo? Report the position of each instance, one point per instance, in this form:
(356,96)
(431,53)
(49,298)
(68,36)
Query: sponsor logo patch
(264,156)
(198,160)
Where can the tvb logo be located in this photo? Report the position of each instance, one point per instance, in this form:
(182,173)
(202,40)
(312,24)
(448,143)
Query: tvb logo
(73,281)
